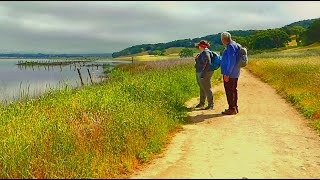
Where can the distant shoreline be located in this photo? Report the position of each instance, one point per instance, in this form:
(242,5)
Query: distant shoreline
(68,58)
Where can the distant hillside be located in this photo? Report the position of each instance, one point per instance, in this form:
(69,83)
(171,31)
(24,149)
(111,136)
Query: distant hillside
(189,43)
(303,23)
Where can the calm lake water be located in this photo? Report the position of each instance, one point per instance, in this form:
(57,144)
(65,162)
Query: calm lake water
(16,81)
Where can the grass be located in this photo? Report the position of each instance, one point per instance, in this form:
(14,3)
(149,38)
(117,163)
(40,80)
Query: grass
(295,76)
(293,41)
(99,131)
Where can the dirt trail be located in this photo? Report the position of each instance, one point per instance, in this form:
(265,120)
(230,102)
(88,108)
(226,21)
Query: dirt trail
(267,139)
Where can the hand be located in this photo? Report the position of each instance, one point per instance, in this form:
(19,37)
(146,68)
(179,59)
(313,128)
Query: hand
(226,78)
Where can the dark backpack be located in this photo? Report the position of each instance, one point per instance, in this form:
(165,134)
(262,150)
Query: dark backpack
(215,60)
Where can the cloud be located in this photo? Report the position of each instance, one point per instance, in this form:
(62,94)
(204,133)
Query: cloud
(104,26)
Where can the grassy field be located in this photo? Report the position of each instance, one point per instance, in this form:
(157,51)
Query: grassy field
(99,131)
(292,52)
(169,54)
(176,50)
(295,74)
(150,58)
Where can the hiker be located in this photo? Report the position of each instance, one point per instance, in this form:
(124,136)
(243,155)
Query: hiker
(231,72)
(204,73)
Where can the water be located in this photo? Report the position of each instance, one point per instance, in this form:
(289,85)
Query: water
(17,81)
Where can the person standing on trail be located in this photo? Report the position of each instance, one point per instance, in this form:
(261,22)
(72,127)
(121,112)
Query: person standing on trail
(231,72)
(204,74)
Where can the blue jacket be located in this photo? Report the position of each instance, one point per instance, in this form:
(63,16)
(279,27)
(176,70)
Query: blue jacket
(229,62)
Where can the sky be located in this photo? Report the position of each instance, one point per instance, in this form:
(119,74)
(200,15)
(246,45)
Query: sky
(110,26)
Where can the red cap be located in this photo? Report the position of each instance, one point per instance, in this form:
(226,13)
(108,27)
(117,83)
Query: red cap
(202,45)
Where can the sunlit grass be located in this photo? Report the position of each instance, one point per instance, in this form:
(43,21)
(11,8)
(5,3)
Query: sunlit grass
(98,131)
(176,50)
(169,54)
(293,41)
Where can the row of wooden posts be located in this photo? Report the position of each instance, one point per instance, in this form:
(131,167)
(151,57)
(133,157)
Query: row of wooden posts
(90,73)
(81,76)
(82,84)
(48,67)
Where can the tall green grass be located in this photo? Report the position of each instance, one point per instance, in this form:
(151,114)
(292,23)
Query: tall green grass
(295,78)
(99,131)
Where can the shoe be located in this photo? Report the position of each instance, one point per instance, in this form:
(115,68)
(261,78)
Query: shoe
(208,107)
(199,106)
(230,111)
(227,109)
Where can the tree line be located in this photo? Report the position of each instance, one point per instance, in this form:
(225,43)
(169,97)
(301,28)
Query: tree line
(277,38)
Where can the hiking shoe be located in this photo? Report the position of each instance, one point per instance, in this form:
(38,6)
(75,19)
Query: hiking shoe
(227,109)
(230,111)
(199,106)
(208,107)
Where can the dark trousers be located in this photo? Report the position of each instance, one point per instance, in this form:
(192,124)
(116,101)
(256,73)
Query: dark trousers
(232,92)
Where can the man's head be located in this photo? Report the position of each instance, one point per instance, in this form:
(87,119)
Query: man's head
(225,38)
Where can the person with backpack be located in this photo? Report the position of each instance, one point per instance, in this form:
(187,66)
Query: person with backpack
(204,74)
(230,69)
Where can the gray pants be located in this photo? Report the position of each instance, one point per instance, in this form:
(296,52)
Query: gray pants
(205,88)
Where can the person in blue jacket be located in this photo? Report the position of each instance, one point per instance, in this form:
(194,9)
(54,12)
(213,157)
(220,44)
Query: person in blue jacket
(231,72)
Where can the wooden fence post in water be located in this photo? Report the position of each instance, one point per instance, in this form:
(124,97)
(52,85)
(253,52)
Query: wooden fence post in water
(80,76)
(89,75)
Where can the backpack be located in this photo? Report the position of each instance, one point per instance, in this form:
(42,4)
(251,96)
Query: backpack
(215,60)
(242,56)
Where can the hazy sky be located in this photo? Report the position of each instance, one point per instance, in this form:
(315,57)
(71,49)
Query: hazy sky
(106,26)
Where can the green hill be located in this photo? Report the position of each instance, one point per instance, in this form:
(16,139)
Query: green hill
(190,43)
(303,23)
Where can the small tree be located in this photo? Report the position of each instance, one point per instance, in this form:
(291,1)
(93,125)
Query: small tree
(186,52)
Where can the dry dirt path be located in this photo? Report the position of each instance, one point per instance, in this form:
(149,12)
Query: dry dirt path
(267,139)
